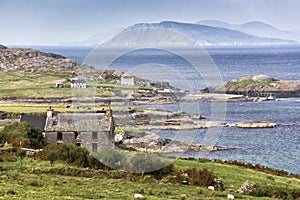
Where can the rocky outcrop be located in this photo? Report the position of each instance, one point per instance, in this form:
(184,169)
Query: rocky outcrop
(29,60)
(33,61)
(154,144)
(151,119)
(260,86)
(257,124)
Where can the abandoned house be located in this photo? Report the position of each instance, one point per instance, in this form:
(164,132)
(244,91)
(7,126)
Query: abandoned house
(95,131)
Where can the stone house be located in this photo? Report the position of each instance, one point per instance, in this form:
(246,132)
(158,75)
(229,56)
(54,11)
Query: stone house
(95,131)
(127,80)
(78,83)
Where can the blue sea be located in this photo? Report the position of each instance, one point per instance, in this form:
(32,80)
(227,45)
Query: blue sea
(277,147)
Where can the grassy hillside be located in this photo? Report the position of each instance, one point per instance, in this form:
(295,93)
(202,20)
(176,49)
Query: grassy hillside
(23,85)
(39,181)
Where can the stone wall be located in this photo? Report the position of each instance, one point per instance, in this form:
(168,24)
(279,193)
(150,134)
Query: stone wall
(50,137)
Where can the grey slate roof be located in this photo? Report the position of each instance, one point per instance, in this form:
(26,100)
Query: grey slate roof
(79,122)
(38,121)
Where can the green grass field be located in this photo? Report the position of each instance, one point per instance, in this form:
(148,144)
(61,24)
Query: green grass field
(24,85)
(15,184)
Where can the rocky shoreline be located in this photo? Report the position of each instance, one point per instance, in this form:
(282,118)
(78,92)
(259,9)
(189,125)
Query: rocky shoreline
(157,119)
(259,86)
(152,143)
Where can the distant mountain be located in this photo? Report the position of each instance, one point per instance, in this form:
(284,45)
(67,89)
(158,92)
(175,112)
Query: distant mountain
(203,34)
(254,28)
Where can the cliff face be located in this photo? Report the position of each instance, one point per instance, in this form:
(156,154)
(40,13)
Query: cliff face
(261,85)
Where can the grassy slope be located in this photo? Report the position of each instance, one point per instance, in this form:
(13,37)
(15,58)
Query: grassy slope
(235,176)
(31,186)
(15,84)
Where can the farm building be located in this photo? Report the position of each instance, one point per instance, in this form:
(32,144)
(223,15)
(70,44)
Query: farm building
(78,83)
(127,80)
(94,131)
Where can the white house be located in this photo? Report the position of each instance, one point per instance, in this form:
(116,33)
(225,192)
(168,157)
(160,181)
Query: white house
(78,83)
(127,80)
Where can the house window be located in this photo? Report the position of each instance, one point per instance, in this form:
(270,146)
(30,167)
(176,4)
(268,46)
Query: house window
(59,136)
(94,135)
(95,147)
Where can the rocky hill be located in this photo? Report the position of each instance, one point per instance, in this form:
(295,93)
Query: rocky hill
(34,61)
(259,86)
(29,60)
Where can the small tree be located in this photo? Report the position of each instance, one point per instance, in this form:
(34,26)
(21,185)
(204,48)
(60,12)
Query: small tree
(21,154)
(52,157)
(22,134)
(50,153)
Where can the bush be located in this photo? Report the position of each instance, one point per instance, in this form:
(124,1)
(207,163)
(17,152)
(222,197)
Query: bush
(202,177)
(22,134)
(67,152)
(273,192)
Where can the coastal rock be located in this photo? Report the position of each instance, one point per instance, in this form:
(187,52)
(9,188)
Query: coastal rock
(257,124)
(152,143)
(260,86)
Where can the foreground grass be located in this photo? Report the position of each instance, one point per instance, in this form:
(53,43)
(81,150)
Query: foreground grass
(235,176)
(15,184)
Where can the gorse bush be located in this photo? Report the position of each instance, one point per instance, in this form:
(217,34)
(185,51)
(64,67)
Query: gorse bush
(202,177)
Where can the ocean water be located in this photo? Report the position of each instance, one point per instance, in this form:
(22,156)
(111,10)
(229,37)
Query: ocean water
(277,147)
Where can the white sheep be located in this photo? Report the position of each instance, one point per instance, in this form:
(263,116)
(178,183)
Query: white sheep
(230,196)
(139,196)
(212,188)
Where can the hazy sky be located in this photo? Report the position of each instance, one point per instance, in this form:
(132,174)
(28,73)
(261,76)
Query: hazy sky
(57,21)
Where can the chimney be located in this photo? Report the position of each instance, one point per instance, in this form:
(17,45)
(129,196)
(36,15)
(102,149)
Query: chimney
(50,112)
(108,112)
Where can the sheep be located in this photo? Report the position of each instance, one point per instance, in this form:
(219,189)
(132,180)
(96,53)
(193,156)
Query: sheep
(230,196)
(212,188)
(139,196)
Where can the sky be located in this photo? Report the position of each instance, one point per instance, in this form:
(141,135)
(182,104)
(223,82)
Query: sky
(51,22)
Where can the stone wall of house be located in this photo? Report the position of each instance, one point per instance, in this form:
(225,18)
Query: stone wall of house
(68,137)
(50,137)
(101,139)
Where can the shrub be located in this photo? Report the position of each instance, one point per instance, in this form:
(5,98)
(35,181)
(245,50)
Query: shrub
(22,134)
(202,177)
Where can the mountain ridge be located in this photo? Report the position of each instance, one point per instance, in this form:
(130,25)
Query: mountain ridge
(257,28)
(204,35)
(222,33)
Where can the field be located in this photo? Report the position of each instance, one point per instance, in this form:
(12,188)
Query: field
(48,183)
(24,85)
